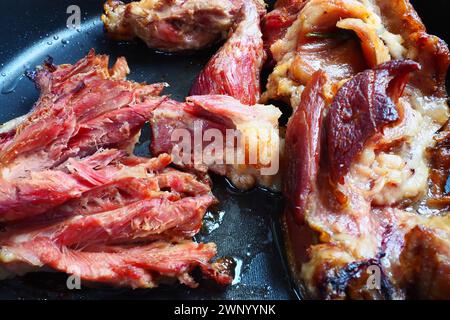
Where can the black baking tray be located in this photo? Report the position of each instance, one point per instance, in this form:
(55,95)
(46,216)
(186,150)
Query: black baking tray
(245,225)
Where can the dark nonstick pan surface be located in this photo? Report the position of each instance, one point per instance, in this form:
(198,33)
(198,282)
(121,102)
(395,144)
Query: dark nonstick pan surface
(244,225)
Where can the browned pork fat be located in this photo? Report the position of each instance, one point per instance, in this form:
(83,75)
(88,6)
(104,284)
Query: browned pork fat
(362,108)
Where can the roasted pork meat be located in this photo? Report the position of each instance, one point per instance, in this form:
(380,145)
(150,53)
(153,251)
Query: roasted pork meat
(71,120)
(235,69)
(130,231)
(171,25)
(140,266)
(353,226)
(276,22)
(73,117)
(167,207)
(345,37)
(366,177)
(74,199)
(220,134)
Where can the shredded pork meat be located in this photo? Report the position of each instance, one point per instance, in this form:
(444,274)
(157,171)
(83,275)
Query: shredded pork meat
(74,199)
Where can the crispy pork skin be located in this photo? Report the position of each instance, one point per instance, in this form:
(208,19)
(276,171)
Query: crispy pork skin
(235,69)
(171,25)
(256,128)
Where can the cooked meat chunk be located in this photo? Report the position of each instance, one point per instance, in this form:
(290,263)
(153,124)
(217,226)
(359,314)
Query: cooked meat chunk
(362,108)
(175,126)
(73,198)
(140,266)
(235,69)
(72,118)
(353,212)
(171,25)
(344,37)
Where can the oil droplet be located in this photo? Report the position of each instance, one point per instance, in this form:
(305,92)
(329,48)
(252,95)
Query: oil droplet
(49,43)
(237,271)
(3,74)
(64,41)
(55,37)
